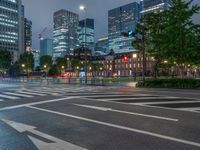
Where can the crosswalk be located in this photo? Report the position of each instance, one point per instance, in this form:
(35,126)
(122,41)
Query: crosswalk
(155,101)
(24,93)
(99,93)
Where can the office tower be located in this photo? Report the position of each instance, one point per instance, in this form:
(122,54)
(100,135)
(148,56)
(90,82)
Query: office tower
(101,46)
(122,19)
(65,36)
(149,6)
(11,27)
(86,33)
(27,35)
(46,47)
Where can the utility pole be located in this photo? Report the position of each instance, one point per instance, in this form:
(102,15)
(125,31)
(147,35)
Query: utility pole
(83,8)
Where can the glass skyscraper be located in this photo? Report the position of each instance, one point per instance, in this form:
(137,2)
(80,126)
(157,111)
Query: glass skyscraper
(102,46)
(46,47)
(11,27)
(149,6)
(27,34)
(65,36)
(89,36)
(122,19)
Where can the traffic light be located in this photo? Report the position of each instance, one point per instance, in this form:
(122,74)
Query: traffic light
(125,58)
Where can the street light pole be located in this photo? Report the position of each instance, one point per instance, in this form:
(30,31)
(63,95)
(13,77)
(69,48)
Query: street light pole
(83,8)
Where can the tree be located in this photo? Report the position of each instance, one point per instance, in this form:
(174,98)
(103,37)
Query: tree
(15,69)
(5,59)
(54,70)
(171,36)
(181,34)
(61,63)
(76,64)
(46,62)
(26,61)
(149,36)
(95,67)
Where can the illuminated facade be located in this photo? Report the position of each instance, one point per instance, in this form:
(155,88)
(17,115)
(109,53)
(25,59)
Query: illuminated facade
(89,36)
(149,6)
(65,36)
(11,27)
(122,19)
(27,35)
(101,46)
(46,47)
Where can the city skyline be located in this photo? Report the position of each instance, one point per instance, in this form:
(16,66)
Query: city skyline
(43,17)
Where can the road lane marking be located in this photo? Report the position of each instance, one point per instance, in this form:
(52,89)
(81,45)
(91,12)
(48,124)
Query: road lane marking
(136,98)
(126,112)
(134,104)
(128,104)
(119,127)
(35,103)
(31,93)
(116,95)
(17,94)
(166,102)
(189,109)
(56,144)
(42,92)
(9,97)
(167,91)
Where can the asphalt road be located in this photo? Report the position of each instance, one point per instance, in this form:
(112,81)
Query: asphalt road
(69,117)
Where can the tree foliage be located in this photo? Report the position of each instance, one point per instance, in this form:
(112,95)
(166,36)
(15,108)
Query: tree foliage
(181,34)
(46,62)
(5,59)
(76,64)
(27,59)
(60,61)
(170,36)
(15,69)
(96,66)
(54,70)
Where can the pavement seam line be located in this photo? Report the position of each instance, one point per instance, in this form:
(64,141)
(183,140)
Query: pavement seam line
(119,127)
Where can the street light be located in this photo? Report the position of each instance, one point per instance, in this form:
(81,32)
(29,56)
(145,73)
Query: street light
(134,55)
(45,66)
(23,65)
(83,8)
(63,67)
(165,61)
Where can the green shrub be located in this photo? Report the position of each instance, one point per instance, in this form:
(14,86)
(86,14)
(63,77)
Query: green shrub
(170,83)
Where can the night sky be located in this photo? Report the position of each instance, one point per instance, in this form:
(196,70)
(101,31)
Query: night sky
(40,12)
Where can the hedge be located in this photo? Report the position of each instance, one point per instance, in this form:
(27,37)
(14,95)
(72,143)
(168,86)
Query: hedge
(170,83)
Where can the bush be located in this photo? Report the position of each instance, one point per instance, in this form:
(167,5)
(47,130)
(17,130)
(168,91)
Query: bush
(170,83)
